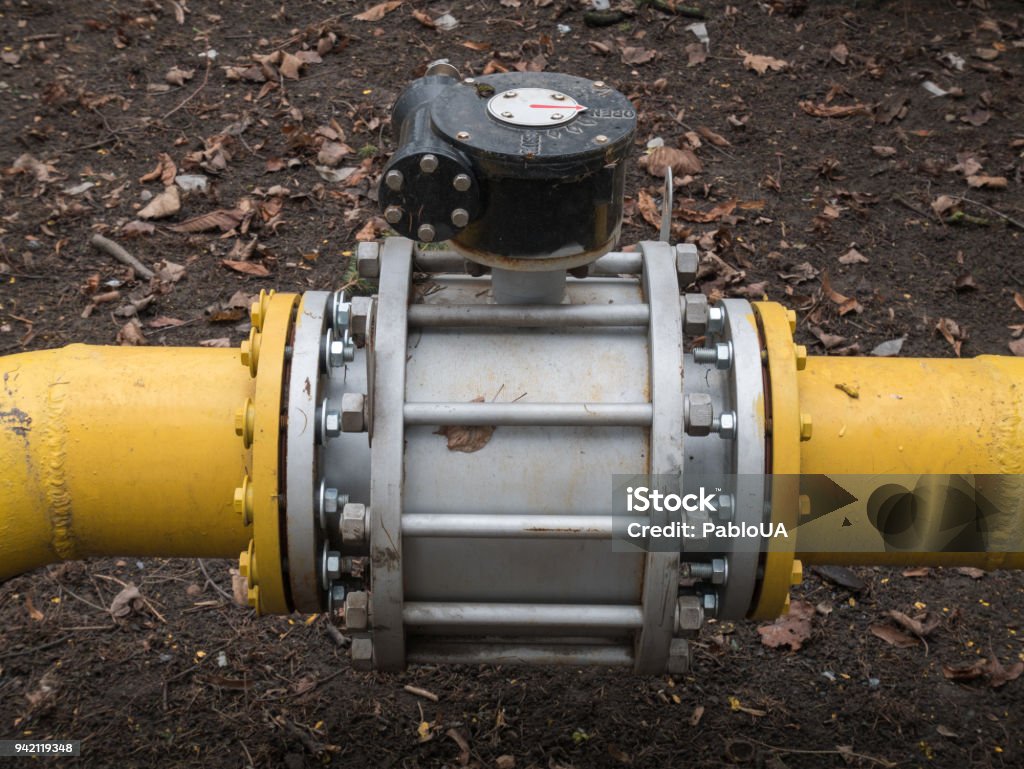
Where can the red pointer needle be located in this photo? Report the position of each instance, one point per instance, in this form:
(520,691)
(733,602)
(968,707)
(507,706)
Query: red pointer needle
(557,106)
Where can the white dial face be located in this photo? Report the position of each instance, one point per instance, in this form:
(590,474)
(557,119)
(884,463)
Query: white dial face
(534,107)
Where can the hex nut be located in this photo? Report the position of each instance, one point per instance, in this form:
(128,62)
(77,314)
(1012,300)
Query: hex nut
(353,524)
(725,507)
(342,317)
(336,598)
(368,259)
(698,413)
(723,355)
(357,610)
(727,425)
(353,417)
(331,424)
(719,571)
(330,500)
(710,602)
(336,356)
(679,656)
(695,315)
(687,263)
(689,613)
(361,654)
(716,320)
(332,566)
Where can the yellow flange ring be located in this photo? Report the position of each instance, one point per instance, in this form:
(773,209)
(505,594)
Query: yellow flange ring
(784,401)
(277,317)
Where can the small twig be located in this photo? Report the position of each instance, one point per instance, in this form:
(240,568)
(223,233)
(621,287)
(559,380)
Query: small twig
(35,649)
(191,96)
(1015,222)
(118,252)
(339,638)
(421,692)
(907,204)
(214,585)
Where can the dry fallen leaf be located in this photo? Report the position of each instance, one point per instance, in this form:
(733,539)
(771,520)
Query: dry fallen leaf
(893,637)
(1018,299)
(944,204)
(165,171)
(761,64)
(682,161)
(1017,347)
(971,571)
(988,182)
(33,612)
(953,333)
(125,602)
(840,53)
(634,56)
(853,256)
(834,110)
(378,12)
(883,151)
(255,269)
(790,630)
(130,334)
(467,438)
(922,625)
(223,219)
(167,203)
(177,76)
(717,212)
(424,18)
(715,138)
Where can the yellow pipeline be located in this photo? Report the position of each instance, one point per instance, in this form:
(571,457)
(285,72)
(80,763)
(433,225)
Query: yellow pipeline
(120,451)
(938,417)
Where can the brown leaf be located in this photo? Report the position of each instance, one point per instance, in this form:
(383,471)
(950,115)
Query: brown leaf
(459,738)
(221,341)
(332,153)
(715,138)
(648,208)
(239,588)
(853,256)
(378,12)
(167,203)
(891,108)
(840,53)
(165,171)
(164,322)
(717,212)
(965,282)
(989,182)
(920,571)
(223,219)
(424,18)
(827,340)
(893,637)
(130,334)
(682,161)
(1017,347)
(761,64)
(475,46)
(883,151)
(33,612)
(999,675)
(125,602)
(177,76)
(696,54)
(371,230)
(137,229)
(922,625)
(1018,299)
(971,571)
(952,332)
(943,204)
(255,269)
(467,438)
(790,630)
(977,117)
(290,66)
(634,56)
(834,110)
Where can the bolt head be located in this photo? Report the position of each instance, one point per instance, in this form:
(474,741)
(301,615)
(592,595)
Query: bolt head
(698,414)
(463,135)
(695,314)
(719,571)
(460,217)
(342,314)
(689,613)
(360,318)
(330,500)
(426,233)
(558,96)
(332,565)
(687,263)
(806,427)
(462,182)
(428,163)
(394,180)
(800,352)
(679,656)
(361,654)
(353,418)
(557,116)
(726,507)
(353,524)
(601,139)
(506,113)
(393,214)
(368,259)
(510,94)
(716,320)
(357,610)
(336,598)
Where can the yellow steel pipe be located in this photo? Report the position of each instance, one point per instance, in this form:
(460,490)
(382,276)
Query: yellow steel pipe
(120,451)
(897,420)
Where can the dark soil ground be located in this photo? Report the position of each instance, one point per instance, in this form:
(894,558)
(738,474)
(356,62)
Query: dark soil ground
(192,679)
